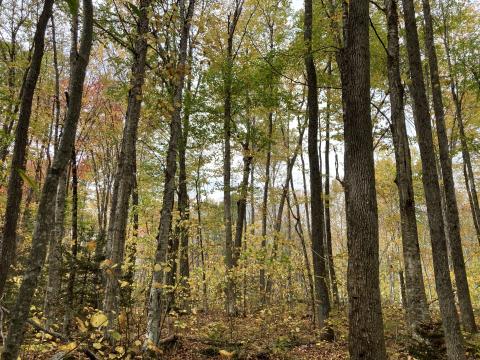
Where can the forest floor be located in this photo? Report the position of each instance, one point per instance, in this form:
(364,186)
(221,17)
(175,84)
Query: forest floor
(267,334)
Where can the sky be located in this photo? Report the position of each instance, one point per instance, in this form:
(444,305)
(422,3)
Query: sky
(297,4)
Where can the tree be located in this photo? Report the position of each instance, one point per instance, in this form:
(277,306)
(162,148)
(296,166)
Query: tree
(366,338)
(157,306)
(450,322)
(17,168)
(125,173)
(452,217)
(47,200)
(416,300)
(317,212)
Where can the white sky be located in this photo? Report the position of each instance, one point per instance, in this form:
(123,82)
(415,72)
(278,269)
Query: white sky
(297,4)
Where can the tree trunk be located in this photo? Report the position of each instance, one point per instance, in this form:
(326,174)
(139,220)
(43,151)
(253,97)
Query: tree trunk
(15,181)
(452,218)
(46,206)
(366,337)
(227,130)
(328,229)
(265,207)
(457,99)
(415,300)
(70,297)
(124,178)
(53,292)
(322,302)
(451,325)
(157,308)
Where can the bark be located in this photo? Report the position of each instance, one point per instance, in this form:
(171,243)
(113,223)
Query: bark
(53,292)
(157,308)
(266,186)
(124,178)
(200,236)
(46,206)
(415,298)
(242,202)
(452,218)
(328,228)
(366,337)
(73,268)
(322,302)
(230,303)
(451,325)
(15,181)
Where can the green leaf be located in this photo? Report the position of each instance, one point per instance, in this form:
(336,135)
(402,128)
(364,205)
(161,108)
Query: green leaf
(73,6)
(133,8)
(33,184)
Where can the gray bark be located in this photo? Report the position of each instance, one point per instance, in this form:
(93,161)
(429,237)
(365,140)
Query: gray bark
(15,181)
(452,216)
(451,324)
(415,298)
(157,306)
(124,178)
(366,336)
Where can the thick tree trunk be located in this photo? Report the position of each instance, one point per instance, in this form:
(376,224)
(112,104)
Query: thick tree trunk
(451,325)
(46,206)
(53,292)
(124,179)
(322,301)
(15,182)
(415,300)
(157,306)
(366,337)
(452,218)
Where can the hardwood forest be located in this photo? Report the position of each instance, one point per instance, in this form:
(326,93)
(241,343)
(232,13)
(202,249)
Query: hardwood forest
(239,179)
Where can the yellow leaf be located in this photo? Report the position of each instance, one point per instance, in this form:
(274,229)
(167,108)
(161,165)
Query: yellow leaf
(137,343)
(157,267)
(97,346)
(36,320)
(120,350)
(99,319)
(226,353)
(68,347)
(91,245)
(81,326)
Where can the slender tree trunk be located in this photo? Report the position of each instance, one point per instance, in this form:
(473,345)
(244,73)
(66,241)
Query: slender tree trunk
(300,233)
(366,337)
(322,301)
(15,182)
(452,218)
(157,308)
(415,300)
(70,297)
(468,170)
(46,206)
(328,226)
(124,178)
(265,207)
(451,325)
(200,236)
(227,130)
